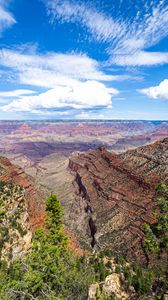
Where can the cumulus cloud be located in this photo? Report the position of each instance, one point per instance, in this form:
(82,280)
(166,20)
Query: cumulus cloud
(61,82)
(6,18)
(159,91)
(73,81)
(79,95)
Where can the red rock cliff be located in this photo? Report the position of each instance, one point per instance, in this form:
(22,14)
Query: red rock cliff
(119,193)
(35,197)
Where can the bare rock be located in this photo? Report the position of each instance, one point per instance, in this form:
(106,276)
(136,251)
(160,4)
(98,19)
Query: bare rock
(112,286)
(165,297)
(118,192)
(92,293)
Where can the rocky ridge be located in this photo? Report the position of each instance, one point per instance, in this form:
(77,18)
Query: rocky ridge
(107,197)
(118,192)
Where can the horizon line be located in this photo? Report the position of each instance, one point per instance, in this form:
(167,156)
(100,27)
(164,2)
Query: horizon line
(81,120)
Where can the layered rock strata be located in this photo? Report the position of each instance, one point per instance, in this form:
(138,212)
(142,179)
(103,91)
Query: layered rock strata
(34,194)
(118,192)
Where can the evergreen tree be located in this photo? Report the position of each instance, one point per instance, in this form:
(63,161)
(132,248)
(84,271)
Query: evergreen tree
(51,270)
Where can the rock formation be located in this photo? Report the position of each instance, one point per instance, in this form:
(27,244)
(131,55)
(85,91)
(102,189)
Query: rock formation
(34,195)
(118,192)
(15,231)
(24,195)
(107,197)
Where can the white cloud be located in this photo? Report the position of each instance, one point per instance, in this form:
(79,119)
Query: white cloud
(159,91)
(83,116)
(99,25)
(52,68)
(72,81)
(16,93)
(6,19)
(90,115)
(126,38)
(145,30)
(141,58)
(79,95)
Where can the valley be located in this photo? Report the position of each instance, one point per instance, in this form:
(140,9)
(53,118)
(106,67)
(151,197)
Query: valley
(31,141)
(106,185)
(107,188)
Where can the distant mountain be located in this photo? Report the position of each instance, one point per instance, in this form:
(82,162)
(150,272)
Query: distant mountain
(23,129)
(35,140)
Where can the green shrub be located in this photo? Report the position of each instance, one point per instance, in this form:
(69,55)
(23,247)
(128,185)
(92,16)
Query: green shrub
(50,271)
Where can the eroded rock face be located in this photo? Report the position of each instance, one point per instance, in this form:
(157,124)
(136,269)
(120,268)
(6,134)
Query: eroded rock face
(15,231)
(118,192)
(92,292)
(33,194)
(106,197)
(112,287)
(21,210)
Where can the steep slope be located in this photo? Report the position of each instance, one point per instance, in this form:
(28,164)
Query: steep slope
(15,230)
(106,197)
(34,195)
(118,192)
(150,161)
(23,208)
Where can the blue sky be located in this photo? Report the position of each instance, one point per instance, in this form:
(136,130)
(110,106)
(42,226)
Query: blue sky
(72,59)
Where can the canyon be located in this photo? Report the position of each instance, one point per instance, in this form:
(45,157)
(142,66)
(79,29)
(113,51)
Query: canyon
(107,194)
(119,194)
(29,142)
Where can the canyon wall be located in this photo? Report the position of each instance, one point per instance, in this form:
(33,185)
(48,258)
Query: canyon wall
(118,192)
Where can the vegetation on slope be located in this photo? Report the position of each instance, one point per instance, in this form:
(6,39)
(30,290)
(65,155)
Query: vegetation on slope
(156,239)
(51,271)
(14,227)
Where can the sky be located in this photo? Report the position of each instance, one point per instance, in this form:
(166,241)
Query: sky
(76,59)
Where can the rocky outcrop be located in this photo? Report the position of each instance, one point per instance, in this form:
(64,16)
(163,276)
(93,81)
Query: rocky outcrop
(113,287)
(106,197)
(15,230)
(118,192)
(34,195)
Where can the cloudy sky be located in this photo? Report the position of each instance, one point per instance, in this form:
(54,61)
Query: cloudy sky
(76,59)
